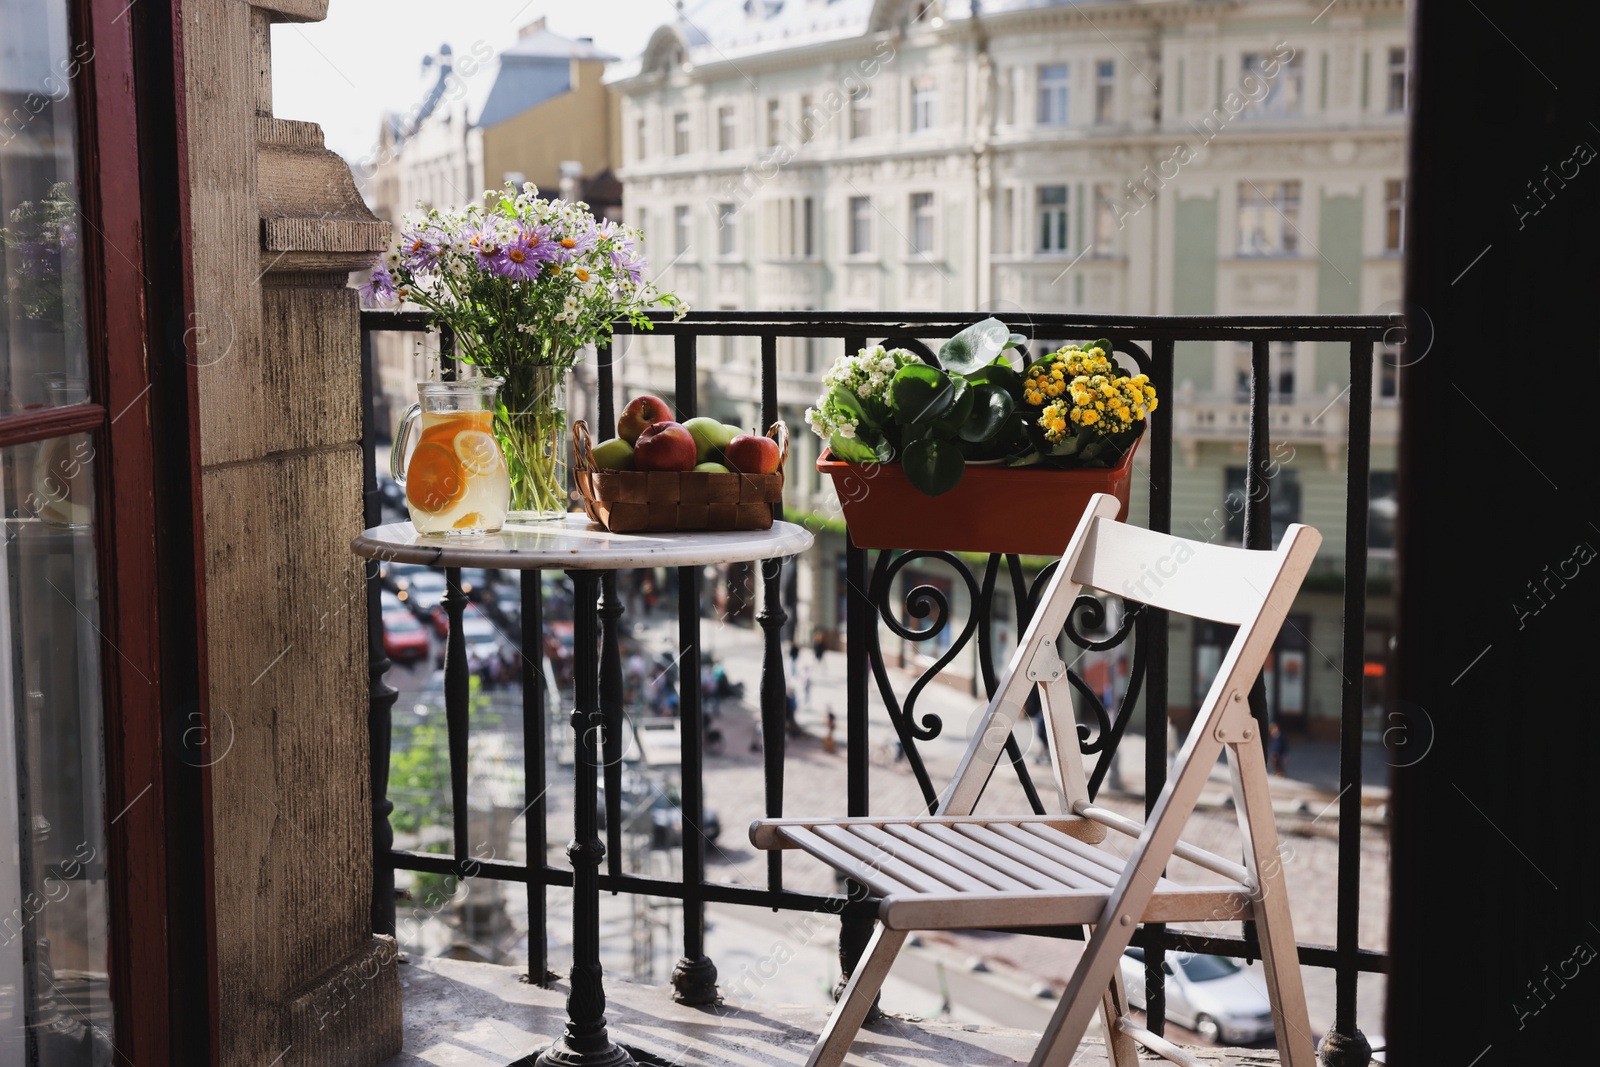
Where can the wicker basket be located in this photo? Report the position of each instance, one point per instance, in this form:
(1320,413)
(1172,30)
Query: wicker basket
(659,501)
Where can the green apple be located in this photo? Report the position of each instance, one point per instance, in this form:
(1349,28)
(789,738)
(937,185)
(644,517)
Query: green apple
(614,455)
(712,468)
(710,436)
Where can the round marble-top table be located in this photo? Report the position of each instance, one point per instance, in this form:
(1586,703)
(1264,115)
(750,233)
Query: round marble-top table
(577,544)
(586,552)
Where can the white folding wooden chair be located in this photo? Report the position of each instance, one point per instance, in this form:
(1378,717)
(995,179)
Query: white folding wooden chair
(955,870)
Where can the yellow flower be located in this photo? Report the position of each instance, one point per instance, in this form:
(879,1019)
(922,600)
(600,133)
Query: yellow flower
(1090,417)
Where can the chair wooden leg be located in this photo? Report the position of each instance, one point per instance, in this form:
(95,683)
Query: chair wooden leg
(1121,1050)
(851,1011)
(1064,1032)
(1280,959)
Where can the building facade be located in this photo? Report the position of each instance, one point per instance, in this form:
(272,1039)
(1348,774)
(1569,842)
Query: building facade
(1118,158)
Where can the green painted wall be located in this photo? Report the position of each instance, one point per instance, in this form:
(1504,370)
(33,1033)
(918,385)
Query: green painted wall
(1194,281)
(1338,280)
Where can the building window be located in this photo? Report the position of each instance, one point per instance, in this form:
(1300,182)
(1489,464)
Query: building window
(639,133)
(1105,89)
(1005,222)
(860,114)
(1285,95)
(1383,508)
(1386,376)
(808,121)
(1284,488)
(774,119)
(1106,223)
(680,134)
(1280,371)
(1052,218)
(1397,80)
(860,225)
(727,231)
(790,225)
(680,229)
(924,103)
(1269,217)
(922,223)
(1053,94)
(726,130)
(1394,215)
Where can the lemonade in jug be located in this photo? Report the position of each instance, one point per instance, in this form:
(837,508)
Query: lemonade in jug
(455,477)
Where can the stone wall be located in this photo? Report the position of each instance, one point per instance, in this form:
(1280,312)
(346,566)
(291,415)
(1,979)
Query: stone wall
(277,226)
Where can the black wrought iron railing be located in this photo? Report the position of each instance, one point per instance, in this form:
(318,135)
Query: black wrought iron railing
(1148,342)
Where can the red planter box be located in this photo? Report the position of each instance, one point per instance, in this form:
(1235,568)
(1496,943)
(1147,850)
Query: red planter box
(1026,510)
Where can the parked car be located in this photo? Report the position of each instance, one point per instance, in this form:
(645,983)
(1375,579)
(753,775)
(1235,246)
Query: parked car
(397,576)
(388,602)
(1211,995)
(404,639)
(480,634)
(474,582)
(422,592)
(658,811)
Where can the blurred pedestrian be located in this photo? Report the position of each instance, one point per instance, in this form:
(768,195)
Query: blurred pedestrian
(828,744)
(1277,750)
(819,645)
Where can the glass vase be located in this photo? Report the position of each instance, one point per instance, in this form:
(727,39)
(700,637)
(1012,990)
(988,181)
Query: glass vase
(531,426)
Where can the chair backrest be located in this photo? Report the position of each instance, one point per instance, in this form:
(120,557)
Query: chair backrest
(1248,588)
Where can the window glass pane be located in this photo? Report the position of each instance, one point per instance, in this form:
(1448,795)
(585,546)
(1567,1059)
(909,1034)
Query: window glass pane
(1383,509)
(54,922)
(41,266)
(1284,487)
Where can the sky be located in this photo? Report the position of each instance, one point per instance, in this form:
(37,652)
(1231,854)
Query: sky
(365,58)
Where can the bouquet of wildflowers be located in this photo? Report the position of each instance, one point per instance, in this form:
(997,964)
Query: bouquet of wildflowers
(520,279)
(1071,409)
(525,284)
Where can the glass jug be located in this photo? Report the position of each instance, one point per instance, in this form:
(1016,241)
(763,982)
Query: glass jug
(455,476)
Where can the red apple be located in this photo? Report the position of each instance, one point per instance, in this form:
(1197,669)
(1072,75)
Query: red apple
(665,446)
(641,413)
(749,454)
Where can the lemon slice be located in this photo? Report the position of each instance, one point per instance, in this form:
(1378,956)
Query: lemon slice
(468,521)
(477,452)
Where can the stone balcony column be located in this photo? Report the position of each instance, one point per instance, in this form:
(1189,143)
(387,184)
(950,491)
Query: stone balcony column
(277,227)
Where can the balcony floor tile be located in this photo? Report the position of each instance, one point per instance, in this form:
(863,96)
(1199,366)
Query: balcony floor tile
(462,1014)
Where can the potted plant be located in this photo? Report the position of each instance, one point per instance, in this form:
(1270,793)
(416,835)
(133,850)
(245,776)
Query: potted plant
(977,454)
(526,284)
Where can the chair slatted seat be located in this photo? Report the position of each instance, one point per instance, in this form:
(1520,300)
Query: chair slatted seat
(956,870)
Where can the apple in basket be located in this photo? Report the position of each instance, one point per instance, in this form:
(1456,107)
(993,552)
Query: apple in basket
(665,446)
(641,413)
(749,454)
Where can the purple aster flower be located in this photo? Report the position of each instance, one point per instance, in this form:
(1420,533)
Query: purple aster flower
(577,244)
(487,245)
(421,249)
(624,256)
(524,254)
(379,290)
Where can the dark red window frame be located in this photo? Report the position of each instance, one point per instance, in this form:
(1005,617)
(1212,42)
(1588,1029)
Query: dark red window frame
(128,95)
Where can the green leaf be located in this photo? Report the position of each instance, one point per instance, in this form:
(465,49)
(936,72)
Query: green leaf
(933,466)
(852,449)
(920,393)
(975,346)
(948,424)
(1103,345)
(847,400)
(998,374)
(1016,340)
(991,407)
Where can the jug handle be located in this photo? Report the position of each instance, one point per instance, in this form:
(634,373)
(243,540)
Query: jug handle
(397,452)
